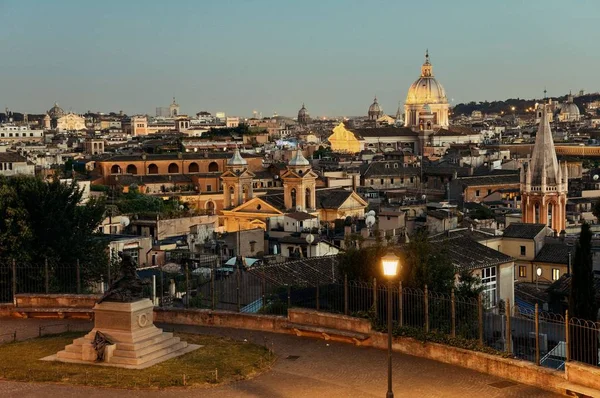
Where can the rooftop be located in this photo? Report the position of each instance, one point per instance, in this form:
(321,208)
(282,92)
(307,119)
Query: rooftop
(523,230)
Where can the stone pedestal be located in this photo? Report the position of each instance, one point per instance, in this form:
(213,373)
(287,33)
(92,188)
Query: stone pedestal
(135,342)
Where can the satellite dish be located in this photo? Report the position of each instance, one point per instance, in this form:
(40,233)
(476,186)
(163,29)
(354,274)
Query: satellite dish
(596,176)
(181,207)
(310,238)
(370,221)
(424,197)
(371,213)
(125,221)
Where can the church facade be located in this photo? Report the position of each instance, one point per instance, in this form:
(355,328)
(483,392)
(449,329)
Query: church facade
(243,210)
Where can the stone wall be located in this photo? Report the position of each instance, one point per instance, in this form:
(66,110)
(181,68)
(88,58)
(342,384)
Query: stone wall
(6,309)
(585,375)
(236,320)
(331,321)
(84,301)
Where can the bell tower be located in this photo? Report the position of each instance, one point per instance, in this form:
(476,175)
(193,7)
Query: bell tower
(299,183)
(237,181)
(544,181)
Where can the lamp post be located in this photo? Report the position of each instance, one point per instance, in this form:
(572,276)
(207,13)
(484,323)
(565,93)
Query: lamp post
(538,272)
(390,264)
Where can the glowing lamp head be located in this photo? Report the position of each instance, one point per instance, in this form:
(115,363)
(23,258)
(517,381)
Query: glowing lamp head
(390,264)
(538,272)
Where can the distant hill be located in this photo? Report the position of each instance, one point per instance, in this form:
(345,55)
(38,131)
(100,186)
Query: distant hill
(519,104)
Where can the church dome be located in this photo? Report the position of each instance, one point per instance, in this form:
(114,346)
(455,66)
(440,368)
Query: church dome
(237,159)
(299,160)
(426,89)
(302,112)
(56,111)
(375,108)
(569,108)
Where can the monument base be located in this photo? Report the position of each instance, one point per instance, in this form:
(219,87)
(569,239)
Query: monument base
(133,340)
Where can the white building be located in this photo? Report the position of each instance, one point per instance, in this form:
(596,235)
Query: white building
(12,164)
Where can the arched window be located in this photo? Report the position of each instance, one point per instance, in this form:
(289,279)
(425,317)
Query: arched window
(173,168)
(536,213)
(213,167)
(115,169)
(293,195)
(152,169)
(246,193)
(210,207)
(193,168)
(307,198)
(131,169)
(551,210)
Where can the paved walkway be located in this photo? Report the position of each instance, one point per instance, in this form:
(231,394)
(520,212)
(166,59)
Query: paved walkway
(322,369)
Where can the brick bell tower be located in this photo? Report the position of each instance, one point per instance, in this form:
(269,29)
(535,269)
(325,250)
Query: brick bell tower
(544,181)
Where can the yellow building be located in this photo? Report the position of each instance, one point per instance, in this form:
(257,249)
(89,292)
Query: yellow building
(343,140)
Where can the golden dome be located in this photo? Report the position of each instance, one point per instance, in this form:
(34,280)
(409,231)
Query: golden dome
(426,90)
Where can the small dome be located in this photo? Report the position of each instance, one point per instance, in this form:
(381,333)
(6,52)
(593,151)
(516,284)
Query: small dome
(299,160)
(302,112)
(56,111)
(237,159)
(375,107)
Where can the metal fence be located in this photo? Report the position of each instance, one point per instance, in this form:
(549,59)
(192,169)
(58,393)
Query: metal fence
(540,337)
(47,278)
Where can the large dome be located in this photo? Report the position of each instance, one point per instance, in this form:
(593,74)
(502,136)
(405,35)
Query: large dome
(569,108)
(56,111)
(302,112)
(426,90)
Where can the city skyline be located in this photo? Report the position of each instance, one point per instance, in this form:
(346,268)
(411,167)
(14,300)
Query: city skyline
(114,57)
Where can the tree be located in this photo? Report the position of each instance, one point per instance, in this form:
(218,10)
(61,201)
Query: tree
(44,221)
(428,265)
(596,210)
(582,300)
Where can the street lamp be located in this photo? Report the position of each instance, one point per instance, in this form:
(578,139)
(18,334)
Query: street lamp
(390,264)
(538,272)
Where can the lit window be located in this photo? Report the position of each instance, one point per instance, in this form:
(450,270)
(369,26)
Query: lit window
(488,280)
(555,274)
(522,271)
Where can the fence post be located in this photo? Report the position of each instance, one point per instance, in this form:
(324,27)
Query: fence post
(567,337)
(263,284)
(453,313)
(14,282)
(162,287)
(508,331)
(237,291)
(46,276)
(212,287)
(426,299)
(375,297)
(345,294)
(537,335)
(317,306)
(187,285)
(78,275)
(400,304)
(108,270)
(480,318)
(289,298)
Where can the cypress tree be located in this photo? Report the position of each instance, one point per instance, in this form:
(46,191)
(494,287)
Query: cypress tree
(582,301)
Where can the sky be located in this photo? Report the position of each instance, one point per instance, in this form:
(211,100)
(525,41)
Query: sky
(273,55)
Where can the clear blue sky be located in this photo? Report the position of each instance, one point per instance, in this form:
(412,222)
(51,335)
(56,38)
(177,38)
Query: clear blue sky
(237,56)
